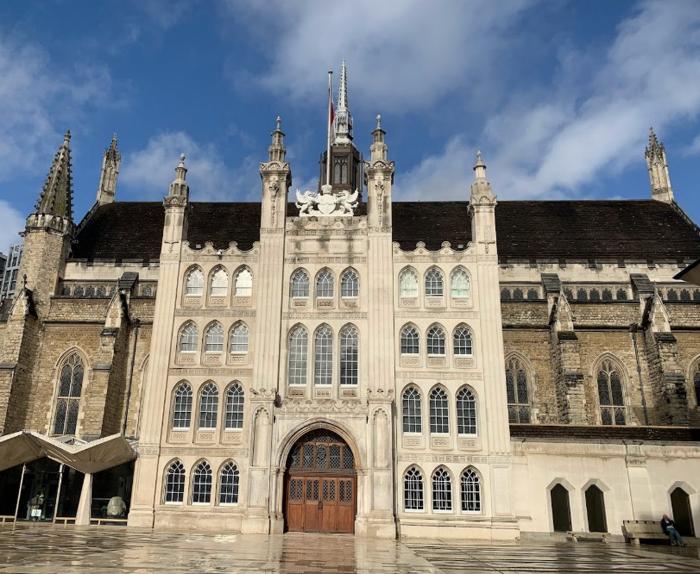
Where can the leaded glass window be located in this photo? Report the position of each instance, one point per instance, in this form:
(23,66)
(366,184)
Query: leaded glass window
(349,355)
(208,405)
(442,490)
(461,289)
(462,341)
(244,283)
(201,483)
(410,341)
(439,411)
(228,484)
(233,418)
(436,341)
(188,338)
(517,392)
(298,352)
(413,489)
(323,356)
(182,406)
(466,412)
(471,491)
(433,282)
(300,284)
(408,283)
(70,386)
(324,284)
(175,483)
(194,282)
(610,397)
(412,419)
(214,339)
(219,283)
(349,284)
(238,339)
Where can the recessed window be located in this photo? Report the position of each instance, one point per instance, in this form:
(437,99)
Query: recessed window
(436,341)
(323,355)
(244,283)
(349,284)
(219,283)
(70,385)
(194,282)
(461,289)
(208,405)
(517,392)
(466,412)
(324,284)
(188,338)
(298,350)
(410,341)
(238,339)
(201,483)
(300,284)
(439,411)
(610,396)
(228,484)
(471,491)
(175,483)
(413,489)
(411,404)
(349,355)
(434,282)
(408,283)
(182,406)
(214,339)
(442,490)
(462,341)
(233,418)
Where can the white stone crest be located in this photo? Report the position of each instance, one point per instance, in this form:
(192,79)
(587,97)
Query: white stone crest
(326,203)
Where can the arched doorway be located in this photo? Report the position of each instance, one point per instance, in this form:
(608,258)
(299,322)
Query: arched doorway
(595,509)
(682,515)
(320,484)
(561,512)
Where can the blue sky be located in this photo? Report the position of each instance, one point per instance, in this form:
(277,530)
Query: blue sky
(558,95)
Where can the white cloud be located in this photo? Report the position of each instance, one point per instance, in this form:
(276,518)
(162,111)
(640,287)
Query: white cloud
(11,223)
(693,148)
(149,171)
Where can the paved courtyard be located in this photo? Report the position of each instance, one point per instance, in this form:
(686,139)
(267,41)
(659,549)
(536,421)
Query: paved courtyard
(42,549)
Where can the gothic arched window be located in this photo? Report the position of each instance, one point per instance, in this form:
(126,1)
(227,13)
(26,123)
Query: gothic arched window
(439,411)
(434,282)
(323,355)
(174,483)
(349,284)
(462,341)
(410,340)
(228,484)
(300,284)
(461,288)
(201,483)
(471,491)
(436,341)
(182,406)
(208,405)
(214,339)
(413,489)
(466,412)
(408,283)
(324,284)
(194,282)
(238,339)
(188,338)
(70,386)
(412,419)
(610,395)
(233,417)
(298,352)
(621,295)
(517,392)
(349,355)
(442,490)
(219,283)
(244,283)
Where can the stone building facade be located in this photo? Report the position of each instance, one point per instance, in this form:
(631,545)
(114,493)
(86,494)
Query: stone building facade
(349,363)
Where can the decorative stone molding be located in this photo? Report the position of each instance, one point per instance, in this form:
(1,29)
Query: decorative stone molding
(322,406)
(209,249)
(445,249)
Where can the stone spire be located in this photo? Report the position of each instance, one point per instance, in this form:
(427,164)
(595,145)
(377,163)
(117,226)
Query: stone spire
(378,149)
(110,171)
(482,205)
(660,181)
(57,194)
(179,190)
(277,150)
(343,118)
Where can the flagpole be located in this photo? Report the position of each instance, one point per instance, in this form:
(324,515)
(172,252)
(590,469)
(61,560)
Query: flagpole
(328,146)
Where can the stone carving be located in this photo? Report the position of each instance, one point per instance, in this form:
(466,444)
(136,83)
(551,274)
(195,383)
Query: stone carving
(326,203)
(292,405)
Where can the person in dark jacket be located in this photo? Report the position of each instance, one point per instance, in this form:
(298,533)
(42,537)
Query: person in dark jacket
(669,528)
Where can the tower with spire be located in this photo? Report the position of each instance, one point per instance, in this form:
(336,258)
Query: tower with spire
(659,179)
(111,161)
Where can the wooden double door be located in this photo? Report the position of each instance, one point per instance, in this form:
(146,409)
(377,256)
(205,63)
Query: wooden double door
(319,503)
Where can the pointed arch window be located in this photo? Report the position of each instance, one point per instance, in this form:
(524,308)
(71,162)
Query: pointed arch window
(436,341)
(408,283)
(298,352)
(300,284)
(323,355)
(471,491)
(175,483)
(517,391)
(434,282)
(214,339)
(228,484)
(201,483)
(182,406)
(194,282)
(244,283)
(442,490)
(412,417)
(238,339)
(208,406)
(466,412)
(413,489)
(349,355)
(349,284)
(70,386)
(410,340)
(610,394)
(233,417)
(439,411)
(188,338)
(461,287)
(324,284)
(462,341)
(219,283)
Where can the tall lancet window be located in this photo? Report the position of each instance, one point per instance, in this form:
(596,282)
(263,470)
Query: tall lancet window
(244,283)
(323,356)
(70,387)
(349,355)
(219,283)
(610,396)
(324,284)
(298,351)
(408,283)
(194,282)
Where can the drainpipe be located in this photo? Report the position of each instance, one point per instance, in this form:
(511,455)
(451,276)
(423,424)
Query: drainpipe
(634,328)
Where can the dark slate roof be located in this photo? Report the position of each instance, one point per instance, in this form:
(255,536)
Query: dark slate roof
(526,229)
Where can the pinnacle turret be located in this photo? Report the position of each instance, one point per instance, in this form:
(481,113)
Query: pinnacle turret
(659,178)
(343,118)
(277,150)
(179,188)
(111,161)
(378,149)
(57,194)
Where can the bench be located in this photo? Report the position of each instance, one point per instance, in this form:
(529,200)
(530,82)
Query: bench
(637,530)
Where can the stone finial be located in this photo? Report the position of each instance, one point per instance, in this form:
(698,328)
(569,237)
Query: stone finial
(378,149)
(179,188)
(479,166)
(277,150)
(659,178)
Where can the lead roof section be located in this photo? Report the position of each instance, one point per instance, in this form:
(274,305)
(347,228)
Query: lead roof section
(526,230)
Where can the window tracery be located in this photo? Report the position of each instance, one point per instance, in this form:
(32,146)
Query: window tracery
(70,386)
